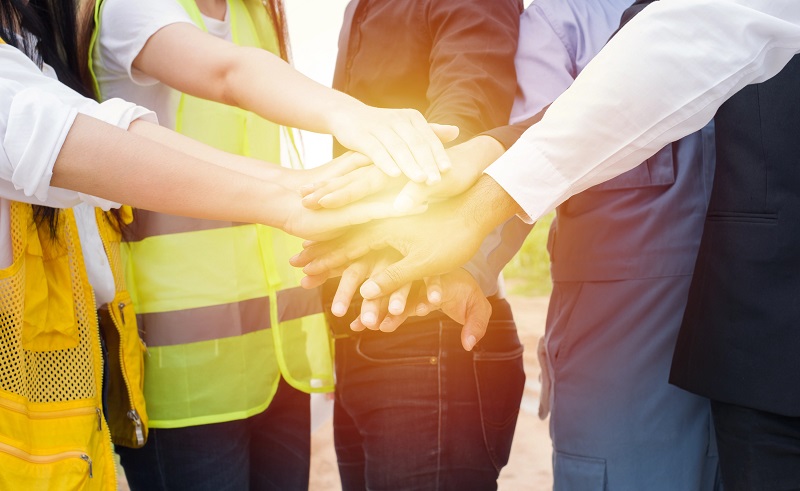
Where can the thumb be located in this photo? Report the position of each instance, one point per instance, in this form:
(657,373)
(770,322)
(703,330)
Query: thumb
(411,196)
(445,132)
(478,313)
(391,279)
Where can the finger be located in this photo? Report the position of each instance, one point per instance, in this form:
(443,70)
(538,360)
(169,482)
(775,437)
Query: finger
(352,277)
(332,254)
(434,291)
(370,181)
(422,142)
(412,195)
(478,313)
(397,300)
(343,164)
(356,325)
(379,152)
(324,188)
(392,322)
(444,132)
(307,189)
(399,150)
(371,313)
(310,282)
(404,271)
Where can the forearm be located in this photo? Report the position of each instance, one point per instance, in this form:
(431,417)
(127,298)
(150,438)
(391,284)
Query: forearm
(636,96)
(285,95)
(151,175)
(252,167)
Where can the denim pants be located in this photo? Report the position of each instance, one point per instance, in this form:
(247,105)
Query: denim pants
(414,411)
(268,451)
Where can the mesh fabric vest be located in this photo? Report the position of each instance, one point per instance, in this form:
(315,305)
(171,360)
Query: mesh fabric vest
(53,433)
(220,308)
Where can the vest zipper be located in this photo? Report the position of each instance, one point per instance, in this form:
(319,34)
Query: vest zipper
(110,442)
(133,415)
(23,409)
(48,459)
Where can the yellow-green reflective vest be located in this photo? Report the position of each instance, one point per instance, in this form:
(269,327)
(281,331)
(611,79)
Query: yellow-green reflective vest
(220,308)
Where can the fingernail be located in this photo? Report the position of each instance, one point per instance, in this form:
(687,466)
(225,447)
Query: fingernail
(470,342)
(338,309)
(396,307)
(422,309)
(433,179)
(445,165)
(403,203)
(294,258)
(385,325)
(370,289)
(369,319)
(435,297)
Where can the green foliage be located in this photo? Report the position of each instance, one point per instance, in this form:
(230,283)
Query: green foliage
(528,273)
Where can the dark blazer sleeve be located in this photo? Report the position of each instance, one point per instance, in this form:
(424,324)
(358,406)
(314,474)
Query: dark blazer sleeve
(472,79)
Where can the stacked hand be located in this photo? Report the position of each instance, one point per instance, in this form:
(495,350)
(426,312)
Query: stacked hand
(412,248)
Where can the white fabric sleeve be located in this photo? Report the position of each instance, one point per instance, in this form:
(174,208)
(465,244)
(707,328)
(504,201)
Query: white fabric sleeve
(662,77)
(36,114)
(127,25)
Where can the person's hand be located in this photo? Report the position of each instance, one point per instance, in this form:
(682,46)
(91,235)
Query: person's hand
(471,158)
(455,293)
(326,224)
(343,165)
(399,141)
(434,243)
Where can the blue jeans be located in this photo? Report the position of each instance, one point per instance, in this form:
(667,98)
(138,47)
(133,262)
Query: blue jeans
(268,451)
(414,411)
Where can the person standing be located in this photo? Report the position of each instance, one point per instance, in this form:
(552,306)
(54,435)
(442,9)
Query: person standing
(622,259)
(666,74)
(235,346)
(412,409)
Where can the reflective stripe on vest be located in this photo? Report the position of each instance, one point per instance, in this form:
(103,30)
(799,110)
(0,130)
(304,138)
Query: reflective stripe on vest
(219,306)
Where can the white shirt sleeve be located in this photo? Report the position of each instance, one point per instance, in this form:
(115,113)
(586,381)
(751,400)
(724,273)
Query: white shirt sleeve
(126,26)
(36,113)
(662,77)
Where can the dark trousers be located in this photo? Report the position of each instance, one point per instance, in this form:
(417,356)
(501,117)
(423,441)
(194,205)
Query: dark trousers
(414,411)
(757,450)
(268,451)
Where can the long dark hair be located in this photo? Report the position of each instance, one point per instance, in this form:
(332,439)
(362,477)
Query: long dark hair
(278,15)
(46,31)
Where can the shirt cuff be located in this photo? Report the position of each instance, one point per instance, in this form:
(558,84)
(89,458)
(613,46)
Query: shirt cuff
(530,179)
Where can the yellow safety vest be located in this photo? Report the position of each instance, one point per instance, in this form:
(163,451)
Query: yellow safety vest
(221,309)
(53,435)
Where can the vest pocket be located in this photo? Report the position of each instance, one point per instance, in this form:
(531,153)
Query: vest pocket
(577,472)
(62,471)
(127,418)
(49,321)
(658,170)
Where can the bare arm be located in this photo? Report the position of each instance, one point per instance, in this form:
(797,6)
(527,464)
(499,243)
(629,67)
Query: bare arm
(197,63)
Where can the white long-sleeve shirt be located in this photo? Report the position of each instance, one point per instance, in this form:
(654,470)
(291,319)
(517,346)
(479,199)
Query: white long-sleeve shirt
(662,77)
(36,113)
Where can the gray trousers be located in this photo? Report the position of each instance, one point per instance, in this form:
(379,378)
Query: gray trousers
(616,423)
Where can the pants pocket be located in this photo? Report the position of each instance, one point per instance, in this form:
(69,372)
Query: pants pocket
(500,381)
(577,473)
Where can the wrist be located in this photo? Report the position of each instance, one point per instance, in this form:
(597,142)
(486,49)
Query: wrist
(486,205)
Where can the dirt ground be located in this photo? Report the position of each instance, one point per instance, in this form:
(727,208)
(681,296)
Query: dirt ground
(528,468)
